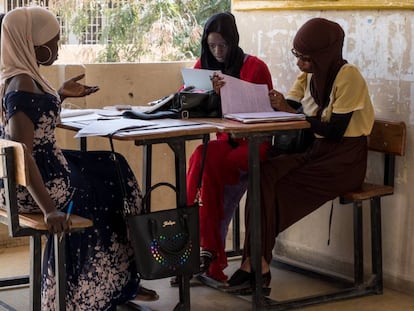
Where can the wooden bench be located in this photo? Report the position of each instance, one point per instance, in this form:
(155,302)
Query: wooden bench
(13,172)
(389,139)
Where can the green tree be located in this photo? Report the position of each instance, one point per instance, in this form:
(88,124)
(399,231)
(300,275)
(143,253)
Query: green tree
(141,30)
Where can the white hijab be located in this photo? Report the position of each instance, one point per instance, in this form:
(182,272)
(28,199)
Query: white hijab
(22,30)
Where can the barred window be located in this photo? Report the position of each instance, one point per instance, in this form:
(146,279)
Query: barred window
(12,4)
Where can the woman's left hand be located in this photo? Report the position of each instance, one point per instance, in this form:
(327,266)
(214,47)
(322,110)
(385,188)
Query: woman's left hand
(71,88)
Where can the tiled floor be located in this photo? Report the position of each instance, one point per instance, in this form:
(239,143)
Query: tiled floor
(285,285)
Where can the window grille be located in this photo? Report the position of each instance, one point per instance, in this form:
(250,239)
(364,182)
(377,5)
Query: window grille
(12,4)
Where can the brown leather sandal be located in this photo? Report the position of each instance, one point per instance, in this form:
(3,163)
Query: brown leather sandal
(145,294)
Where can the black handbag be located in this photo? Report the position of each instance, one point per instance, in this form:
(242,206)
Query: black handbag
(166,243)
(184,105)
(291,141)
(197,105)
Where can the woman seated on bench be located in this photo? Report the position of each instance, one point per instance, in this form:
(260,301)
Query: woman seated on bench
(334,96)
(100,265)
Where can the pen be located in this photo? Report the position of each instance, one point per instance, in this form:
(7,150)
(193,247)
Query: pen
(69,210)
(67,218)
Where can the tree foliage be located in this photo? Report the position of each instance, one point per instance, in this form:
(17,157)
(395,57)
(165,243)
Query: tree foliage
(140,30)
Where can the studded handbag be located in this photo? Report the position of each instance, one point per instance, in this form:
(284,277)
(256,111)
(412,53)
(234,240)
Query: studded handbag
(166,243)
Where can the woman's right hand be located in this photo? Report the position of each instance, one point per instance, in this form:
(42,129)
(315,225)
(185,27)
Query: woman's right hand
(56,222)
(217,82)
(278,102)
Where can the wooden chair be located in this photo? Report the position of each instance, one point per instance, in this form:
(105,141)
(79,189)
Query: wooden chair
(13,172)
(388,138)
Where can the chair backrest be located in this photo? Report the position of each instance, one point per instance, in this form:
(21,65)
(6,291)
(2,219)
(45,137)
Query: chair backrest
(13,172)
(389,138)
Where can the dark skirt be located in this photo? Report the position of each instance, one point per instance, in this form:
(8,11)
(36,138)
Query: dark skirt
(293,186)
(100,265)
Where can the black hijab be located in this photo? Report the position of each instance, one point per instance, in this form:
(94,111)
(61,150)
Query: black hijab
(322,40)
(225,25)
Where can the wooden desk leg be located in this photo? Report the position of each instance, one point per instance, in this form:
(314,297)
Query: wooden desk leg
(60,271)
(178,147)
(83,144)
(147,171)
(255,219)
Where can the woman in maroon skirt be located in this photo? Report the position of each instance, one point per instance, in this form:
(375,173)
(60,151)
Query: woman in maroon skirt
(334,97)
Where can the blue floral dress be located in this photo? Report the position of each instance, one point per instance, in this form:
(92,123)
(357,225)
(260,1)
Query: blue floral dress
(100,263)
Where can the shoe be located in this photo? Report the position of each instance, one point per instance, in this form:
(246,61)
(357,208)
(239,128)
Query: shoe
(240,279)
(145,294)
(206,258)
(243,279)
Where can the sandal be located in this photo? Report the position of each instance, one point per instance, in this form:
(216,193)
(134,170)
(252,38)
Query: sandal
(206,258)
(243,282)
(145,294)
(240,279)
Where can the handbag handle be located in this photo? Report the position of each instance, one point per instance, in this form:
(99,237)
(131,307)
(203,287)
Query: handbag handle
(122,185)
(153,187)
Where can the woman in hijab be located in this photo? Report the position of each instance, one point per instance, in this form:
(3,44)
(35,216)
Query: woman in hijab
(334,96)
(100,264)
(226,158)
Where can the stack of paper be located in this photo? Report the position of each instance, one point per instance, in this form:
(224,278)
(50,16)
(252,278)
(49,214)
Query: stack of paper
(249,103)
(68,113)
(272,116)
(107,127)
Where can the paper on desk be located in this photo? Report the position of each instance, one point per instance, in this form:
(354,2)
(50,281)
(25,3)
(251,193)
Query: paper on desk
(256,117)
(106,127)
(68,113)
(241,96)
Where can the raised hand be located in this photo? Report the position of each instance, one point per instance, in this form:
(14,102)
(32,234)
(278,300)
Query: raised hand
(71,88)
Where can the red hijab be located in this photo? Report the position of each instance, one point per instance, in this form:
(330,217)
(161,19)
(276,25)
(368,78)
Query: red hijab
(322,40)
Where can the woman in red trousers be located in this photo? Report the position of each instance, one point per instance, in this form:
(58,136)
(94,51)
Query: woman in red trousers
(226,158)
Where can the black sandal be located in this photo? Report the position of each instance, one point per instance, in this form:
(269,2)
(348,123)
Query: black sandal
(240,279)
(242,283)
(206,258)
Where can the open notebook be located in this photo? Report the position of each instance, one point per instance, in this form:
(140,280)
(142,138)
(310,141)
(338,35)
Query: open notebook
(249,103)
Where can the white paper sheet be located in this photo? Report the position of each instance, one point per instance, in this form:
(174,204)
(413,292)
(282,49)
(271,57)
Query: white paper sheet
(68,113)
(199,78)
(241,96)
(106,127)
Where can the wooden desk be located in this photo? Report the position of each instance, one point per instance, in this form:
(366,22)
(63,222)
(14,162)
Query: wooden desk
(175,136)
(174,133)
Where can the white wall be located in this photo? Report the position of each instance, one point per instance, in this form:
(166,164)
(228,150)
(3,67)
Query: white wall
(381,44)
